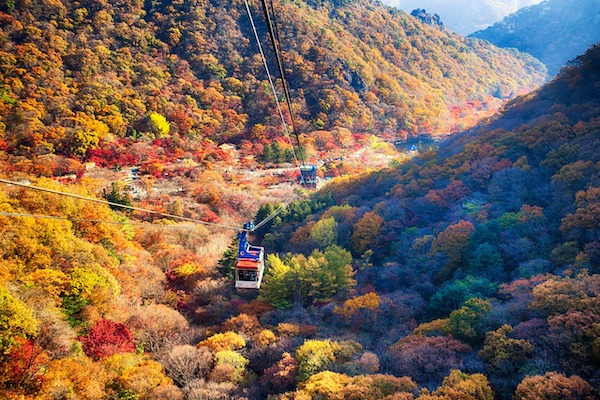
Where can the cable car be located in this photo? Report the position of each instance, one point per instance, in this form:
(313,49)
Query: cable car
(308,176)
(251,262)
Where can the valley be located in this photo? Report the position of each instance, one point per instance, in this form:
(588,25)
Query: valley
(450,249)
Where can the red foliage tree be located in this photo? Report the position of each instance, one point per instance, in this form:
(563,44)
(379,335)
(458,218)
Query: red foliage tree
(106,338)
(281,376)
(455,191)
(23,366)
(427,358)
(111,154)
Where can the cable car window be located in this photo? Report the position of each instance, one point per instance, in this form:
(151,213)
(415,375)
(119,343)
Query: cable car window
(247,276)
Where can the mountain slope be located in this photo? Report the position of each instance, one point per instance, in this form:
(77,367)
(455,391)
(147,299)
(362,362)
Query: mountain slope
(553,31)
(85,78)
(465,16)
(123,310)
(539,152)
(491,225)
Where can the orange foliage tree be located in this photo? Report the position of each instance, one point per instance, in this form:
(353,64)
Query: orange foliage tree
(365,232)
(554,386)
(78,375)
(459,385)
(366,305)
(453,243)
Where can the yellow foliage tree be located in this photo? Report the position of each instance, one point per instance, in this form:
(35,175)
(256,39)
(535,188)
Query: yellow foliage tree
(335,386)
(325,385)
(53,282)
(503,353)
(324,232)
(369,301)
(158,124)
(118,363)
(365,232)
(88,133)
(94,284)
(266,337)
(16,320)
(559,295)
(144,377)
(459,385)
(224,341)
(232,362)
(465,323)
(314,356)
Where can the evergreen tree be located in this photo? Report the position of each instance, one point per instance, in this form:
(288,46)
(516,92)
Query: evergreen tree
(118,195)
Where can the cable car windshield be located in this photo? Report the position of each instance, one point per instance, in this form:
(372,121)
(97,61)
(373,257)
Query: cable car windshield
(251,262)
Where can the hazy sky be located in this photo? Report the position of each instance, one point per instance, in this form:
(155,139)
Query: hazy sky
(465,16)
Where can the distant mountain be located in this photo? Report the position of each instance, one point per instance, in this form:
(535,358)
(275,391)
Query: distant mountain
(553,31)
(465,16)
(427,18)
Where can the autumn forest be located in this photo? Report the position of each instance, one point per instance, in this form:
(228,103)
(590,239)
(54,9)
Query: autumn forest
(451,250)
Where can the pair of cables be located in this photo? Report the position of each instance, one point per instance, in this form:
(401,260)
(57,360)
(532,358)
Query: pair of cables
(109,203)
(274,36)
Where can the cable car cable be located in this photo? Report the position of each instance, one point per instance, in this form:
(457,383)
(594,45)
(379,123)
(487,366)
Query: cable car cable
(269,217)
(271,5)
(285,126)
(28,186)
(274,35)
(264,60)
(279,60)
(146,225)
(287,90)
(110,203)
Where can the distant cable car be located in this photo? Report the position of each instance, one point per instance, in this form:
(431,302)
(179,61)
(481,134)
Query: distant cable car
(251,262)
(308,176)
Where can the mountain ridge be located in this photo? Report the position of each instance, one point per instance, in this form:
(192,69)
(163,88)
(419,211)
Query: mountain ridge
(553,31)
(468,271)
(465,16)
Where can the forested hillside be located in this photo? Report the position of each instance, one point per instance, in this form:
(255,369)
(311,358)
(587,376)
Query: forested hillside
(554,31)
(482,256)
(469,273)
(88,79)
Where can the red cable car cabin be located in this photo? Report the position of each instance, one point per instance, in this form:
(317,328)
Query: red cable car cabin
(251,262)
